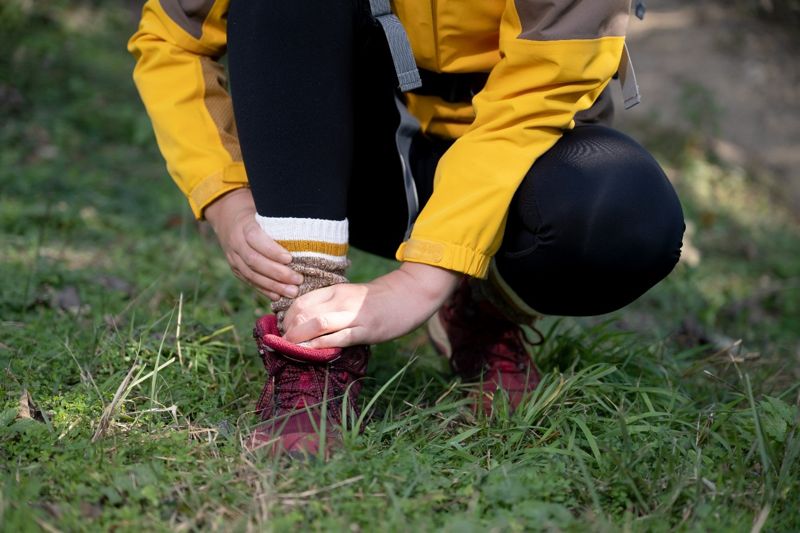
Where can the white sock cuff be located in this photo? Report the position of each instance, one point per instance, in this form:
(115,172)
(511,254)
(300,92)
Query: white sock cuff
(305,229)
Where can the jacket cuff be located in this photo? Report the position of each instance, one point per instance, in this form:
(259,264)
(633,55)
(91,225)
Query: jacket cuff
(212,187)
(449,256)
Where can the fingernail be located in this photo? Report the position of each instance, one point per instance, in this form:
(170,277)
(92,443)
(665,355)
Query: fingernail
(291,291)
(286,258)
(297,279)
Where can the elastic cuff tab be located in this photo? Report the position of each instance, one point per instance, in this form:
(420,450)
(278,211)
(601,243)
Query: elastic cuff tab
(442,255)
(212,187)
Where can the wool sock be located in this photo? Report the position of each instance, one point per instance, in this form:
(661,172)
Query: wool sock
(319,252)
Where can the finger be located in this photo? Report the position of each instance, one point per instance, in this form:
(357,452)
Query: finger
(236,267)
(317,297)
(307,305)
(318,325)
(269,294)
(262,283)
(269,268)
(267,284)
(339,339)
(264,244)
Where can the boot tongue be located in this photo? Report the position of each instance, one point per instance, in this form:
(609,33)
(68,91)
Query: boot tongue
(269,338)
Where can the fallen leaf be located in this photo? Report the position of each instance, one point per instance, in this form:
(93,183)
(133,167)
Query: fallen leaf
(25,405)
(113,283)
(90,510)
(67,299)
(29,411)
(114,321)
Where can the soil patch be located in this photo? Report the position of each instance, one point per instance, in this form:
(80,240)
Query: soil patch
(713,68)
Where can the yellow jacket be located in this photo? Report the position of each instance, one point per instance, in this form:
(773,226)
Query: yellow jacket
(547,59)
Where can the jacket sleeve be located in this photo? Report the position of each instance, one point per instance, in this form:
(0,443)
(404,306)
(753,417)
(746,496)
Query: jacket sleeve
(184,89)
(556,58)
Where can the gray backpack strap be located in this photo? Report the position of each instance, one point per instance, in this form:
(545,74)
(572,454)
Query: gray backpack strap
(627,80)
(404,135)
(640,9)
(400,48)
(627,77)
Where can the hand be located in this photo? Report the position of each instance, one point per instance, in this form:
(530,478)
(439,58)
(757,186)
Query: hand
(253,256)
(368,313)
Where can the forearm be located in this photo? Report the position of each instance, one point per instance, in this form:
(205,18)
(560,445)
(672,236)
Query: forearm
(430,286)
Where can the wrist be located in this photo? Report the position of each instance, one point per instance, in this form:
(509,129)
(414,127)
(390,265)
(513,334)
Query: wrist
(433,283)
(220,209)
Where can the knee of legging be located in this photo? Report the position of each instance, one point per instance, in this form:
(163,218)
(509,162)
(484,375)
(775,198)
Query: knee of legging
(598,193)
(570,279)
(621,236)
(596,216)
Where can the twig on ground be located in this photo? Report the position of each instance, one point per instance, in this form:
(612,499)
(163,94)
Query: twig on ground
(761,519)
(178,330)
(314,492)
(108,412)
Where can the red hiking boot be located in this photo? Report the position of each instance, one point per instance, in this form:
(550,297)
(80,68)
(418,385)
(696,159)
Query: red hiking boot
(291,404)
(485,347)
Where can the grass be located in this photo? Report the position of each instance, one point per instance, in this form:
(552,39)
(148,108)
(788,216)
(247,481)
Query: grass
(677,413)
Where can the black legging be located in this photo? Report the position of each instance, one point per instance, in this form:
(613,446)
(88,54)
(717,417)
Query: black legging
(593,226)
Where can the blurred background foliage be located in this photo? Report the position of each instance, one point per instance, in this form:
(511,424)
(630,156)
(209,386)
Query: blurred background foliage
(69,107)
(784,11)
(44,46)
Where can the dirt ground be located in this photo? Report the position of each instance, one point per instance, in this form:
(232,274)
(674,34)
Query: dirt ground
(708,66)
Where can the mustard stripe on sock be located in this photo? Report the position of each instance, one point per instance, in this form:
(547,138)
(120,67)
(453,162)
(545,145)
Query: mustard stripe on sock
(327,248)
